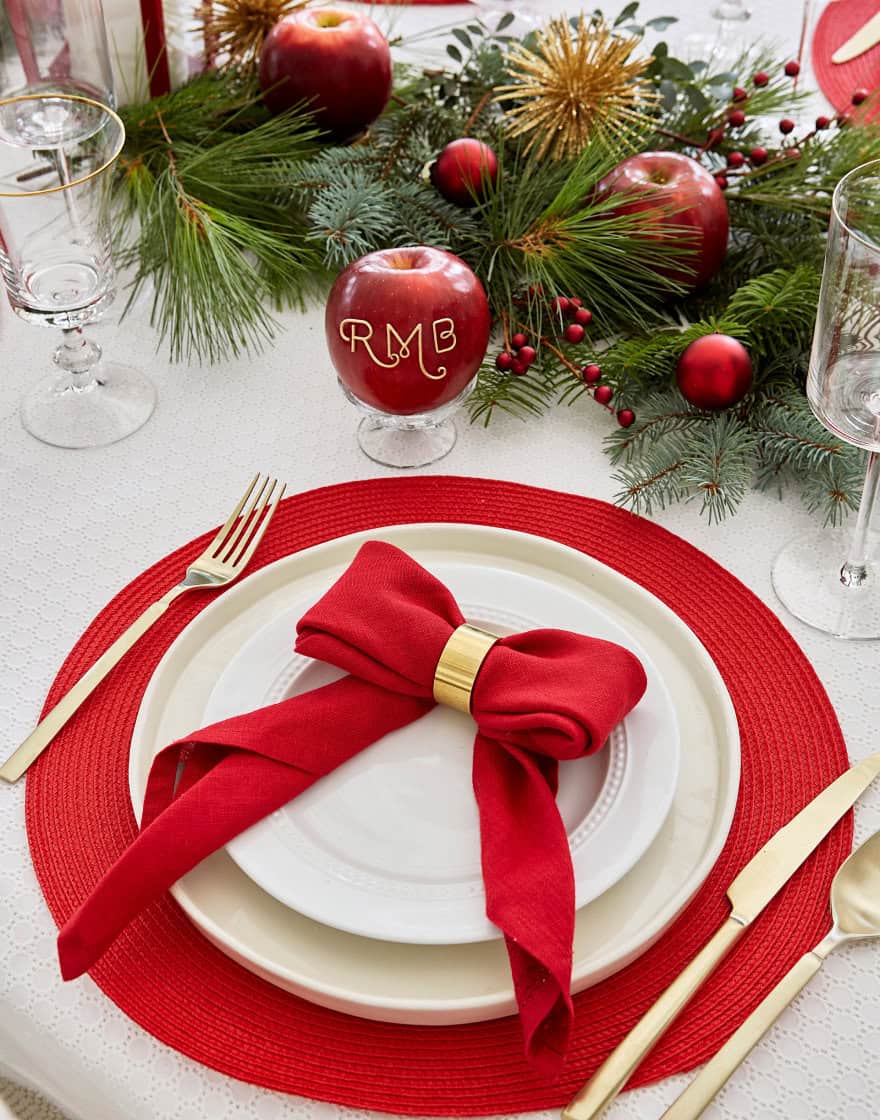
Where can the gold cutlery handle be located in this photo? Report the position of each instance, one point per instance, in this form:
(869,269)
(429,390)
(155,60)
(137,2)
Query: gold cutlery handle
(698,1095)
(613,1074)
(48,727)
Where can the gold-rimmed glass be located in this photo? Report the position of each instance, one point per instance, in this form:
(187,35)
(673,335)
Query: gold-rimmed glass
(833,584)
(56,262)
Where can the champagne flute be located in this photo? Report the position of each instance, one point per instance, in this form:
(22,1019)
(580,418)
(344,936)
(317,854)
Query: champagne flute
(55,259)
(831,589)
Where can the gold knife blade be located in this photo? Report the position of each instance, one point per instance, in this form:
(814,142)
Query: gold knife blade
(762,877)
(866,37)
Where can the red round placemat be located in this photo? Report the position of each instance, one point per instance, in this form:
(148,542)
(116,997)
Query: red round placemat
(838,80)
(165,976)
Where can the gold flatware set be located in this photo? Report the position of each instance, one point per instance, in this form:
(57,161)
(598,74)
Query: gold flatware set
(223,561)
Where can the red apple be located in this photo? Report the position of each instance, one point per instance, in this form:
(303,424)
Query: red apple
(463,169)
(338,60)
(407,328)
(696,212)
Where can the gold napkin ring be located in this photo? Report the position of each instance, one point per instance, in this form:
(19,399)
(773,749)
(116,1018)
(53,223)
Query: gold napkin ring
(459,664)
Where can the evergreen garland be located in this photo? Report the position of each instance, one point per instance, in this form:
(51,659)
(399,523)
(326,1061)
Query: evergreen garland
(229,212)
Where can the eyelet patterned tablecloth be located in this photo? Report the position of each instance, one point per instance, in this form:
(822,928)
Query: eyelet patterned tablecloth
(79,526)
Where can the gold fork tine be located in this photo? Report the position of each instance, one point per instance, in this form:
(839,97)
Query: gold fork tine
(222,553)
(261,529)
(221,533)
(232,556)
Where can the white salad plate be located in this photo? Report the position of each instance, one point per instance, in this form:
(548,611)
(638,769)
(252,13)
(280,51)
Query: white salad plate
(388,845)
(447,983)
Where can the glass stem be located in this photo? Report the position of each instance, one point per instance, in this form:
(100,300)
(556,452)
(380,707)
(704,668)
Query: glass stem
(77,356)
(855,571)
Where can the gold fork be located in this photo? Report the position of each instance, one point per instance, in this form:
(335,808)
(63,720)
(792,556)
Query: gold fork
(223,560)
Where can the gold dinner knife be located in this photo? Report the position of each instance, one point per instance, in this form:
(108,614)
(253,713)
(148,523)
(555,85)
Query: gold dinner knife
(866,37)
(762,877)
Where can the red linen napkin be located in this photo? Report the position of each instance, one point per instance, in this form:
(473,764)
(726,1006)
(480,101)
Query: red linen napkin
(540,696)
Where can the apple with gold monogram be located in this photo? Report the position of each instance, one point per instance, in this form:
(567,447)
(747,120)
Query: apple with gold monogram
(407,330)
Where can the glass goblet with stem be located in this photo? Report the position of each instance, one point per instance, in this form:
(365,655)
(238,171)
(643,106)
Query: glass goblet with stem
(822,582)
(53,46)
(55,258)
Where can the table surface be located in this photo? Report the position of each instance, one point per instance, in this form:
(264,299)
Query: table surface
(82,524)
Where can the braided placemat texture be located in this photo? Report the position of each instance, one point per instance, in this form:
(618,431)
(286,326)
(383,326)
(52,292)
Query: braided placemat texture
(166,977)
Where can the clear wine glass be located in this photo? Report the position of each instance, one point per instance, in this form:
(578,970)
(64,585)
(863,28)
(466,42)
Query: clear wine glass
(818,580)
(53,46)
(55,258)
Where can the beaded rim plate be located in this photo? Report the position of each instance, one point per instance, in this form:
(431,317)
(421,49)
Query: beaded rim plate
(388,845)
(443,984)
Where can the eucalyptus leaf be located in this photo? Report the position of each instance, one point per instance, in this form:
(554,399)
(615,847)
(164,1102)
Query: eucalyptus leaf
(505,21)
(463,38)
(660,23)
(453,52)
(628,12)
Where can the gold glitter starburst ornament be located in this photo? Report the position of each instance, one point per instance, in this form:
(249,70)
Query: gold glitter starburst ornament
(579,80)
(235,30)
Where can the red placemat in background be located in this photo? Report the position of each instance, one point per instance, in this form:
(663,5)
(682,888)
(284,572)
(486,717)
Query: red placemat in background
(840,20)
(168,978)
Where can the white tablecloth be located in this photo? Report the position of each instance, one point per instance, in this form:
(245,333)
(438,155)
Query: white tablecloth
(79,525)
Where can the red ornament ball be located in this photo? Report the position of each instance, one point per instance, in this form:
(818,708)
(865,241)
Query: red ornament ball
(519,339)
(603,394)
(518,367)
(721,180)
(786,125)
(339,60)
(574,332)
(757,156)
(792,69)
(740,94)
(735,159)
(463,171)
(860,95)
(714,372)
(504,361)
(761,78)
(591,373)
(822,123)
(527,355)
(575,302)
(583,316)
(562,305)
(737,118)
(626,418)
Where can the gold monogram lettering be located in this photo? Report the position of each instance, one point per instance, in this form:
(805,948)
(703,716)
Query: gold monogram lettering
(397,348)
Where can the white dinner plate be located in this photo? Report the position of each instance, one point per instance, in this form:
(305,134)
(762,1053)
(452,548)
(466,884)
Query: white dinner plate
(449,983)
(388,844)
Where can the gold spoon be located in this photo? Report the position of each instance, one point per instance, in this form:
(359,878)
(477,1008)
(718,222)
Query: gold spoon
(855,907)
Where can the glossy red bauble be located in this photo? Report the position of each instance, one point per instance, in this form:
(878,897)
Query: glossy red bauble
(714,372)
(463,171)
(338,60)
(696,212)
(407,328)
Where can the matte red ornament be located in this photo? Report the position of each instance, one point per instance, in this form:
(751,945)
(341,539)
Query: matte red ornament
(714,372)
(735,159)
(737,118)
(591,373)
(527,355)
(761,78)
(722,182)
(786,125)
(792,69)
(860,95)
(757,156)
(740,94)
(519,339)
(574,332)
(626,418)
(583,316)
(822,123)
(603,394)
(504,361)
(338,60)
(463,171)
(407,328)
(562,305)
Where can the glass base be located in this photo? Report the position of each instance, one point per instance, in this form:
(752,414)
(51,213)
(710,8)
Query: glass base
(113,403)
(394,445)
(806,578)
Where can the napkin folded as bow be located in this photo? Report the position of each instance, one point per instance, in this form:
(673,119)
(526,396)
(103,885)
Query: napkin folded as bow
(540,697)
